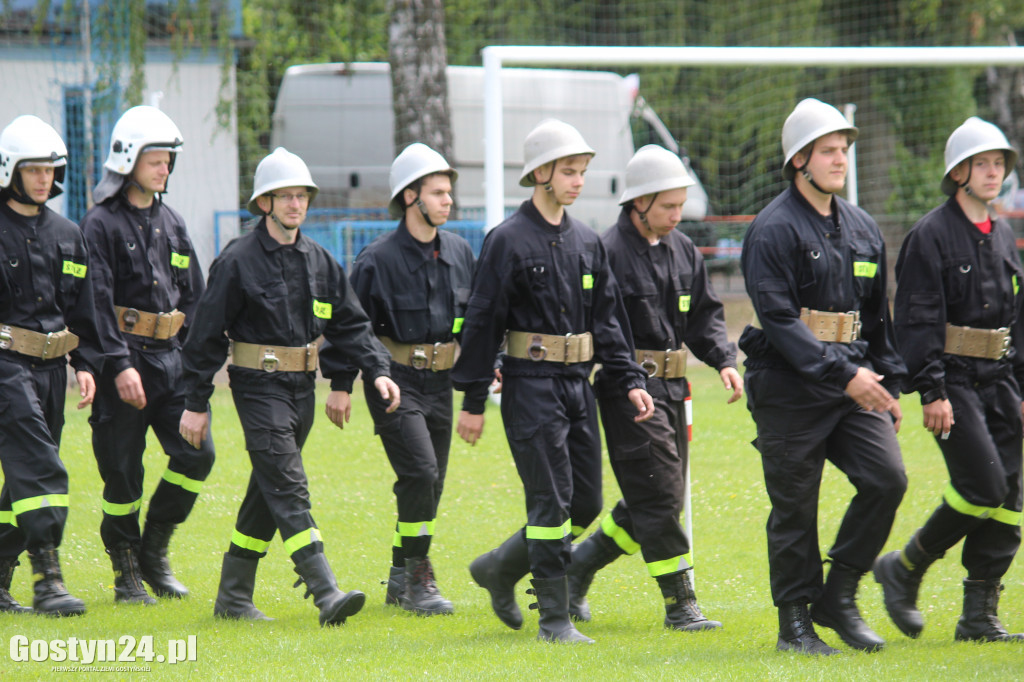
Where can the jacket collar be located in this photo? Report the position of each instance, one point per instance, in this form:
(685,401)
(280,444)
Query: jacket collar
(270,244)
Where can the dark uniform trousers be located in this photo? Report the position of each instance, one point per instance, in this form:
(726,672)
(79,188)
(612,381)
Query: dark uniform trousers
(35,488)
(119,441)
(552,430)
(276,421)
(649,460)
(983,456)
(417,439)
(799,426)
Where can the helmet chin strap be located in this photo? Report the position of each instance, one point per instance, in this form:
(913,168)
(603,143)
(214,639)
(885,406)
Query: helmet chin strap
(423,211)
(547,183)
(642,215)
(271,216)
(19,194)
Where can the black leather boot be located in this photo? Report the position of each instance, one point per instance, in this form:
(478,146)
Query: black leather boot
(681,610)
(900,575)
(421,594)
(7,603)
(498,571)
(335,606)
(553,605)
(234,594)
(51,597)
(588,557)
(837,609)
(156,570)
(395,586)
(979,621)
(796,632)
(128,587)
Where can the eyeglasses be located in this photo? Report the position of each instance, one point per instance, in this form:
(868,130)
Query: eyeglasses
(301,197)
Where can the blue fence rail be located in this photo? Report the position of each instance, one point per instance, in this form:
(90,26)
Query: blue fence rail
(346,231)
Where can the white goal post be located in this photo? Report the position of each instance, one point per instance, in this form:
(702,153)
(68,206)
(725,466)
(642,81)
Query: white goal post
(497,56)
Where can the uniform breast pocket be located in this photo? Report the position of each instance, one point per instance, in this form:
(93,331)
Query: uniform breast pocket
(130,260)
(461,296)
(641,299)
(865,269)
(73,269)
(813,266)
(181,261)
(533,274)
(957,275)
(1014,278)
(587,278)
(409,315)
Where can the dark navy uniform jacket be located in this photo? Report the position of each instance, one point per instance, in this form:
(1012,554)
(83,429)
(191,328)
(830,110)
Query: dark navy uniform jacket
(45,270)
(143,259)
(950,272)
(793,258)
(410,295)
(264,292)
(536,277)
(668,298)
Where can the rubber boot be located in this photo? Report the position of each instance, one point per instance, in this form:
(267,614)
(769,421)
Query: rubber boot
(837,609)
(498,571)
(681,610)
(900,575)
(421,594)
(128,587)
(50,595)
(588,557)
(335,606)
(796,632)
(396,586)
(7,603)
(553,605)
(156,570)
(979,621)
(234,594)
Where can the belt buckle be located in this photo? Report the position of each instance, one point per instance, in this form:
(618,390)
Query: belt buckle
(51,340)
(270,361)
(650,366)
(130,317)
(418,357)
(1005,331)
(433,360)
(6,340)
(536,350)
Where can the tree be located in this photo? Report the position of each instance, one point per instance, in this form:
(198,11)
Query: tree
(418,57)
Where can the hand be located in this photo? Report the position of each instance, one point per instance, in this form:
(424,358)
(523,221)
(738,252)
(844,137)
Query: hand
(641,400)
(129,388)
(339,408)
(732,381)
(86,388)
(867,391)
(194,427)
(388,390)
(470,426)
(496,384)
(897,415)
(938,417)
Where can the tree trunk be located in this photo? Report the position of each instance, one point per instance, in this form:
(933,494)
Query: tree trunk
(419,86)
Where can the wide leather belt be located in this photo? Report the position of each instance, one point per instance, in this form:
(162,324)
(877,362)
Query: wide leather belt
(436,357)
(990,344)
(663,364)
(159,326)
(37,344)
(571,348)
(275,358)
(832,327)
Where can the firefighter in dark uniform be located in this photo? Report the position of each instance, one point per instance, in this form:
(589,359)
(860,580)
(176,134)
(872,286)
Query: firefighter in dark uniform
(822,379)
(274,291)
(669,300)
(47,311)
(147,282)
(543,278)
(959,324)
(414,284)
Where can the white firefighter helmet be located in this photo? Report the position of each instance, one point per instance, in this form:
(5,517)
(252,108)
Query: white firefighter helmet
(140,129)
(550,140)
(416,161)
(654,169)
(974,136)
(280,169)
(30,139)
(810,120)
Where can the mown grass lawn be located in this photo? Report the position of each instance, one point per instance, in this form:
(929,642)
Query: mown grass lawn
(351,483)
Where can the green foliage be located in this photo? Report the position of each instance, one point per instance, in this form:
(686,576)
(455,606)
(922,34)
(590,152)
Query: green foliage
(350,485)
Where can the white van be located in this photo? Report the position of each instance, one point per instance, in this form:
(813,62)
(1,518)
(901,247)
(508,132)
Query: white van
(339,119)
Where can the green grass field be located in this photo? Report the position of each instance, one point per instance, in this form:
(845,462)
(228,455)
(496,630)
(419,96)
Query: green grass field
(350,481)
